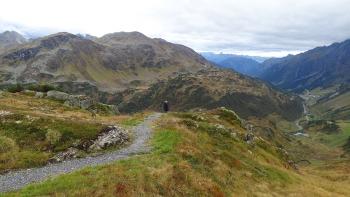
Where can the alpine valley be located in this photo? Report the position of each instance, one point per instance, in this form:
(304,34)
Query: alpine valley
(84,116)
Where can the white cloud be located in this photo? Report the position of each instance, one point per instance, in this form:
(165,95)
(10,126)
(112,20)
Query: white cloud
(250,26)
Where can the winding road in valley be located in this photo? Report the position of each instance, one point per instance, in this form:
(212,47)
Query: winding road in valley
(18,179)
(305,112)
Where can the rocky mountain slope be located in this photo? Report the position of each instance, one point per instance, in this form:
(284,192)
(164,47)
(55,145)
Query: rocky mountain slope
(214,88)
(137,73)
(111,63)
(322,73)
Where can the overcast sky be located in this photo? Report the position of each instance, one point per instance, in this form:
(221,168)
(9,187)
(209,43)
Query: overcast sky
(252,27)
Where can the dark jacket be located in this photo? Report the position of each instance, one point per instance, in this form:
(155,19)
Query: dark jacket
(165,106)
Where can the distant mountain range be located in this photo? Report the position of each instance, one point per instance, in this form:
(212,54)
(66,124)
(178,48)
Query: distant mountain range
(319,67)
(323,73)
(137,72)
(248,65)
(218,57)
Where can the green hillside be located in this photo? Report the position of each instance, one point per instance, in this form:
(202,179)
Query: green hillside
(205,154)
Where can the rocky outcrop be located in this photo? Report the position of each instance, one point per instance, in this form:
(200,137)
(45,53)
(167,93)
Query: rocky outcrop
(23,54)
(249,138)
(110,136)
(80,101)
(107,109)
(61,96)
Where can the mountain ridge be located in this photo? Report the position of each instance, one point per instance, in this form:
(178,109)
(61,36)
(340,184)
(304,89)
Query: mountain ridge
(120,68)
(319,67)
(64,56)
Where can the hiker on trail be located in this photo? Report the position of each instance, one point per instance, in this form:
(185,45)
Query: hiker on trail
(165,106)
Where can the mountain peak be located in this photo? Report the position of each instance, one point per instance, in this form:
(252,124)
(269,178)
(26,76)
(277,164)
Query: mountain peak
(121,38)
(134,34)
(54,40)
(61,34)
(10,38)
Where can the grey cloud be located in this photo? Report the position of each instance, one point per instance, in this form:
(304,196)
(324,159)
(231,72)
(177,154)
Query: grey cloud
(261,25)
(229,25)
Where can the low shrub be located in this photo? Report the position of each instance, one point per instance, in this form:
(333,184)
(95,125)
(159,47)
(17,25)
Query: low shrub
(15,88)
(41,87)
(53,136)
(7,145)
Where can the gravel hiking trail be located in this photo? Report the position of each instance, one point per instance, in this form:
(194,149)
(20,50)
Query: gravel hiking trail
(17,179)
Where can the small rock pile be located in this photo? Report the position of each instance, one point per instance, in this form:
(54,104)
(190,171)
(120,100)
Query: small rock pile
(70,153)
(4,113)
(111,135)
(249,138)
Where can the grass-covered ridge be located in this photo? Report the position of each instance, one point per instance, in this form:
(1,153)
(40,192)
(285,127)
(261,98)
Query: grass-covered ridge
(32,130)
(196,154)
(201,154)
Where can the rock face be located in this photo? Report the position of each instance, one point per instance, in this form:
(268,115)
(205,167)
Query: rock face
(111,135)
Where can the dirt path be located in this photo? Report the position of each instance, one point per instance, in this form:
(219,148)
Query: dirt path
(18,179)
